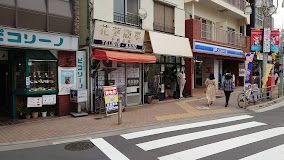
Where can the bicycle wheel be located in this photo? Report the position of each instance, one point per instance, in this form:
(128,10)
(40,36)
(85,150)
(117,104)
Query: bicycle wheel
(242,100)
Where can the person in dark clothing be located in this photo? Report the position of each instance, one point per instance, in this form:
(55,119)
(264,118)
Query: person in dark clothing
(228,87)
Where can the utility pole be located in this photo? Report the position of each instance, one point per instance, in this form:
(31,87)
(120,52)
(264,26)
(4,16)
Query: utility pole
(281,52)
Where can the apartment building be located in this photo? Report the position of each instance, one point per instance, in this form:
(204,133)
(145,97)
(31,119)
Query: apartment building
(139,46)
(217,32)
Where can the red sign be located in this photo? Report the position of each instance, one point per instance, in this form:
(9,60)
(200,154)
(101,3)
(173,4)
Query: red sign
(256,40)
(275,40)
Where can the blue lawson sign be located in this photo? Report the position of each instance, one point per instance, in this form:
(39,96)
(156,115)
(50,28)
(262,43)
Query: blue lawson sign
(217,50)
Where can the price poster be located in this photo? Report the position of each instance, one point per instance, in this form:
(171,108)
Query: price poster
(111,98)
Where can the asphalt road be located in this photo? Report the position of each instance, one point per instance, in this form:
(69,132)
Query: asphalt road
(258,136)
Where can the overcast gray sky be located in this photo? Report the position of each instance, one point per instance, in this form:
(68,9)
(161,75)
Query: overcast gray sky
(279,17)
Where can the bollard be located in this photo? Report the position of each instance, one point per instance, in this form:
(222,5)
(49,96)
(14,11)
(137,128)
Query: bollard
(119,112)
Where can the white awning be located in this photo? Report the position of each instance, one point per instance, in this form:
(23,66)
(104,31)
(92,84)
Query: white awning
(166,44)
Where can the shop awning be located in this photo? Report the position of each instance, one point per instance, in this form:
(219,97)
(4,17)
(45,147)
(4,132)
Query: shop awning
(123,56)
(166,44)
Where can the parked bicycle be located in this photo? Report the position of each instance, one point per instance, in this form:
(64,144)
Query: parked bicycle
(250,95)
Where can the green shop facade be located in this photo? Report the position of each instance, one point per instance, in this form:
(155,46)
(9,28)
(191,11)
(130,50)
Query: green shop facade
(29,64)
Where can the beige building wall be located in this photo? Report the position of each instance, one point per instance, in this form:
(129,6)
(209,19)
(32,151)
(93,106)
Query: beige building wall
(221,19)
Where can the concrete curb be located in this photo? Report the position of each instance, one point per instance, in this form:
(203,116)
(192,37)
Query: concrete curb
(267,105)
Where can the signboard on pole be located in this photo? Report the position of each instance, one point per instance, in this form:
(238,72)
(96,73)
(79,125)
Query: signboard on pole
(111,99)
(275,41)
(248,67)
(256,40)
(266,40)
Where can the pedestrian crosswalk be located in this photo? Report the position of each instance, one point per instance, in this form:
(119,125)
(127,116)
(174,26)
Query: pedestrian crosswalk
(243,131)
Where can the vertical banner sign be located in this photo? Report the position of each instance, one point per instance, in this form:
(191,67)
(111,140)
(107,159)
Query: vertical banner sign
(248,67)
(266,74)
(81,69)
(275,41)
(266,40)
(256,40)
(111,98)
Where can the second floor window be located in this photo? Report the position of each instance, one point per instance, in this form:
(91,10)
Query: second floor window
(163,18)
(126,11)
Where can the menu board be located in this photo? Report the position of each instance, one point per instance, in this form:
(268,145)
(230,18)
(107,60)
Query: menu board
(111,98)
(49,99)
(34,102)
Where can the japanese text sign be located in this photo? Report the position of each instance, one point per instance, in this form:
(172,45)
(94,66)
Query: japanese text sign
(117,36)
(81,69)
(24,38)
(256,40)
(111,98)
(266,39)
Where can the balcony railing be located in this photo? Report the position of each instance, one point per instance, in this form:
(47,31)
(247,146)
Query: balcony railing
(129,18)
(240,4)
(164,28)
(212,33)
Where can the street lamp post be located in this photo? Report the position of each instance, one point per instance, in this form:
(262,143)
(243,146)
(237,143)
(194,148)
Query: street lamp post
(268,9)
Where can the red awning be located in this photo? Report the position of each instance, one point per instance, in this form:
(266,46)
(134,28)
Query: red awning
(123,56)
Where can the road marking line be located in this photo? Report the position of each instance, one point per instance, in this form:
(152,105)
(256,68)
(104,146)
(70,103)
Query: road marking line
(196,135)
(272,153)
(183,126)
(218,147)
(108,149)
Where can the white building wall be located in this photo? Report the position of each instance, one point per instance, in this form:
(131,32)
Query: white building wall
(103,10)
(148,5)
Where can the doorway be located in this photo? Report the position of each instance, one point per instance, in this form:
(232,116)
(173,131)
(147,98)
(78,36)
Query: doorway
(4,90)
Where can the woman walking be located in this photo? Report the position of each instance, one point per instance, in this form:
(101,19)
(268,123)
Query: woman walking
(211,89)
(228,87)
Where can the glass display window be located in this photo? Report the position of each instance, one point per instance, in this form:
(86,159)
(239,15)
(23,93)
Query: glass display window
(43,75)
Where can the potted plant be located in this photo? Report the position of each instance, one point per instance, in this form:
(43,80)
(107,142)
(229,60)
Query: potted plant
(35,114)
(24,112)
(20,112)
(27,113)
(43,112)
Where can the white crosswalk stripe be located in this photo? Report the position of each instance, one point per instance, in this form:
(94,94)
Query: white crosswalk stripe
(276,153)
(182,127)
(155,143)
(108,149)
(213,148)
(196,135)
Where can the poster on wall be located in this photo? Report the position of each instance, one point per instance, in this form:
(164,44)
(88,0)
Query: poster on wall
(256,40)
(275,41)
(34,102)
(67,79)
(111,98)
(81,69)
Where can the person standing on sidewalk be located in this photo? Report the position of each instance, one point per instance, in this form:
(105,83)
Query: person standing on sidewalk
(228,87)
(211,89)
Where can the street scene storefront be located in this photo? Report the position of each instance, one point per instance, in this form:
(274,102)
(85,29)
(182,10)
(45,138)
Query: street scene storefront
(210,58)
(29,70)
(119,60)
(162,79)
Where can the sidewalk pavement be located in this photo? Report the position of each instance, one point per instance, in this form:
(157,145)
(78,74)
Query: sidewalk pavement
(148,114)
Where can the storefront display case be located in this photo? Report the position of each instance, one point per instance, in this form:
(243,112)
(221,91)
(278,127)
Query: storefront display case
(36,73)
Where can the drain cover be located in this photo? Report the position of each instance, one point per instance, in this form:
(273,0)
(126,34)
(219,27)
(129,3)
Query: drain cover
(79,146)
